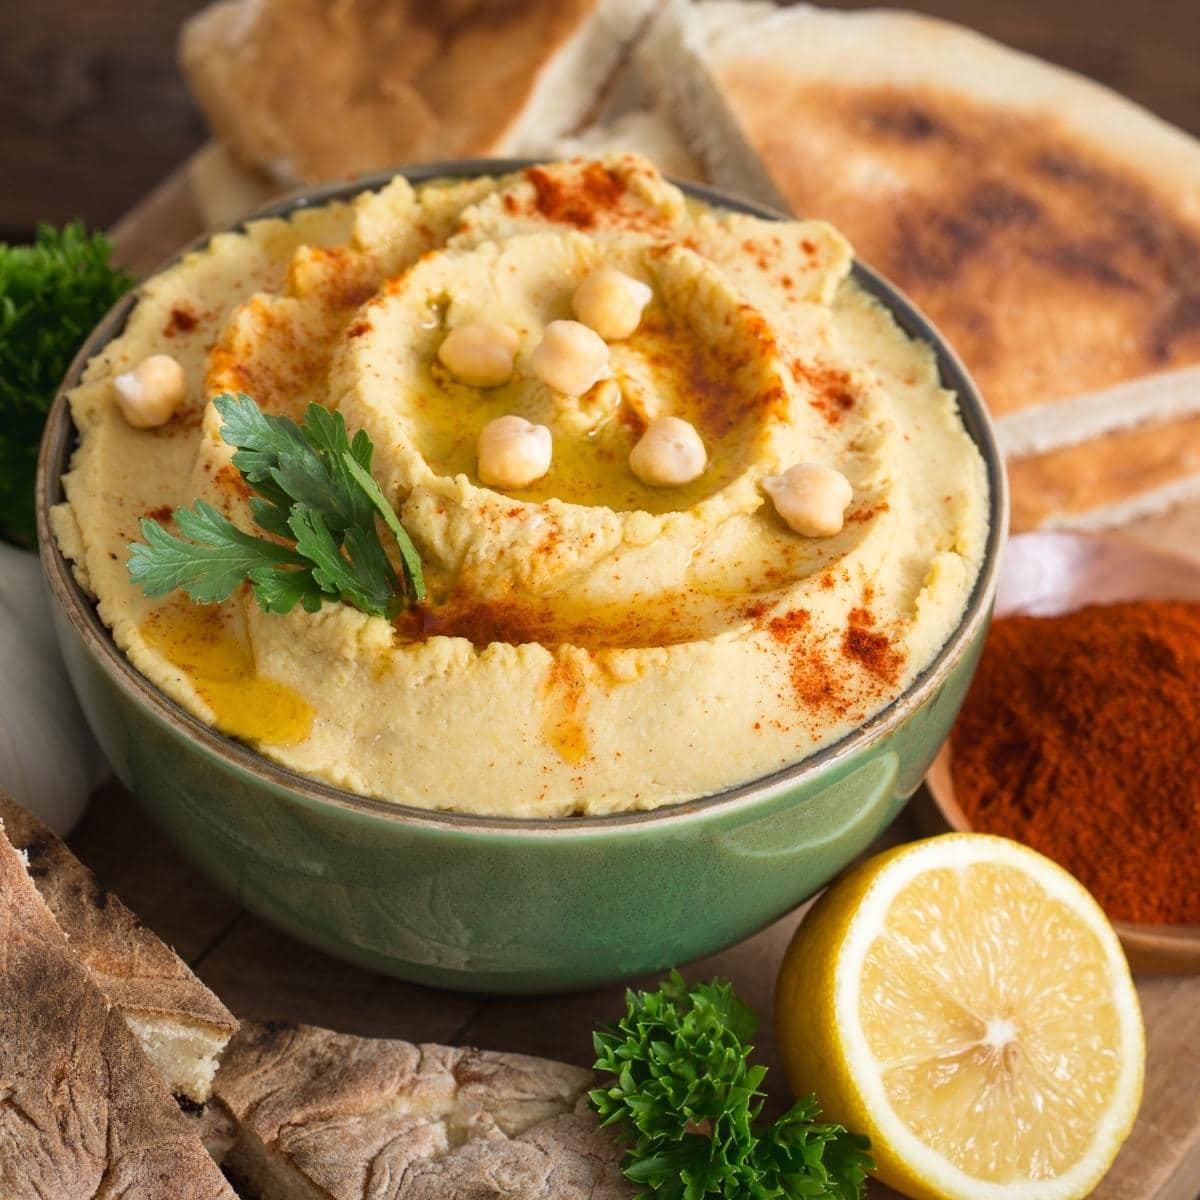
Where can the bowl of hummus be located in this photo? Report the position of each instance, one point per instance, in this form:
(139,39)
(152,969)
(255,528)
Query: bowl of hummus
(707,519)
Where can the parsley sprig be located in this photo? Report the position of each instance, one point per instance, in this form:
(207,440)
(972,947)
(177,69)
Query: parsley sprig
(51,295)
(687,1102)
(312,487)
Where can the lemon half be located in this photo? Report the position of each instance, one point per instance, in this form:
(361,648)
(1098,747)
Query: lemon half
(965,1003)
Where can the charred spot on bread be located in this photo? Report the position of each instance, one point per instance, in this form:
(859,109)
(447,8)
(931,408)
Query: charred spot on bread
(997,204)
(37,848)
(1181,319)
(908,122)
(1006,205)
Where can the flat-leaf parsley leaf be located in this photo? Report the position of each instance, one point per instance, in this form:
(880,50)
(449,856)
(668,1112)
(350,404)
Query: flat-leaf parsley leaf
(687,1102)
(312,488)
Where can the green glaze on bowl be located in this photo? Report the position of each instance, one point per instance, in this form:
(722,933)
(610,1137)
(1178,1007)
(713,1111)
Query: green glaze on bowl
(502,904)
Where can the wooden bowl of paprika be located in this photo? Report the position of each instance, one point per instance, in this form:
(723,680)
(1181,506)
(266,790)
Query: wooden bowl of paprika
(1081,733)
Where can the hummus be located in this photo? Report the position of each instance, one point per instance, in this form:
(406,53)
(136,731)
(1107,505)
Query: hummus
(590,643)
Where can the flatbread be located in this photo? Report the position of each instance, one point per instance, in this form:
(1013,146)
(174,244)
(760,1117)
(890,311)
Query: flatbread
(311,91)
(85,1115)
(224,189)
(301,1113)
(1048,227)
(638,131)
(1081,486)
(181,1024)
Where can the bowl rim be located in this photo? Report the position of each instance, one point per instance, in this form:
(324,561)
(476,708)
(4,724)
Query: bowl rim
(59,442)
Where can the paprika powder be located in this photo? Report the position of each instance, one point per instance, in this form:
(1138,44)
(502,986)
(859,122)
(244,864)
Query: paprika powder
(1081,738)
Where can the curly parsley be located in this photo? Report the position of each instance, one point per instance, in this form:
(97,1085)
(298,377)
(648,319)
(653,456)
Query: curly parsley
(51,295)
(687,1102)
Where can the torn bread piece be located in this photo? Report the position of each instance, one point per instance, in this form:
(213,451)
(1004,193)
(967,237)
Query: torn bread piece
(84,1115)
(1049,227)
(398,81)
(639,131)
(224,189)
(181,1025)
(1109,481)
(301,1113)
(626,120)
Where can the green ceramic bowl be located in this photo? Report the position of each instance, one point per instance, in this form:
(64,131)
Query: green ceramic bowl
(502,904)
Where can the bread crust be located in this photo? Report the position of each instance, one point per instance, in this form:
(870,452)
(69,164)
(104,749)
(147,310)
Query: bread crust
(1109,480)
(331,1115)
(85,1114)
(141,975)
(312,91)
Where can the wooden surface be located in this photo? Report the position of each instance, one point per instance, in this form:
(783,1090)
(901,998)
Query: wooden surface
(94,109)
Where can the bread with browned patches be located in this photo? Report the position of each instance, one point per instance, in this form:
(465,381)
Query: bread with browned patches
(301,1113)
(1109,479)
(1049,227)
(181,1025)
(311,91)
(85,1116)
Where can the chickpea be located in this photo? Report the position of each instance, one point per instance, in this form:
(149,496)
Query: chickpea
(611,302)
(149,395)
(479,353)
(810,498)
(513,453)
(571,358)
(669,453)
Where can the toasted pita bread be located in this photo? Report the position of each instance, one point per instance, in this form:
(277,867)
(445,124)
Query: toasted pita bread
(85,1114)
(181,1025)
(311,91)
(1050,228)
(305,1114)
(1109,480)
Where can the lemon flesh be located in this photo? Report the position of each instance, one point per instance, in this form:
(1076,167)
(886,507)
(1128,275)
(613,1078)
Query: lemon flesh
(965,1003)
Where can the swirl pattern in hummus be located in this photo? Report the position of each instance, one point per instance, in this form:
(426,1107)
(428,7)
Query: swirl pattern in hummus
(591,643)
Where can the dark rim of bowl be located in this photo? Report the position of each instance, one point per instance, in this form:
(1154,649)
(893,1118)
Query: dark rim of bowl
(60,440)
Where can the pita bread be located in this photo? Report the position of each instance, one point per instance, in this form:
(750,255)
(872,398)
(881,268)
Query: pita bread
(301,1113)
(639,131)
(224,189)
(1050,228)
(85,1114)
(1109,480)
(181,1025)
(311,91)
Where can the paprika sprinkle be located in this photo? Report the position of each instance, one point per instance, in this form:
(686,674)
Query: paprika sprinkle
(1081,738)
